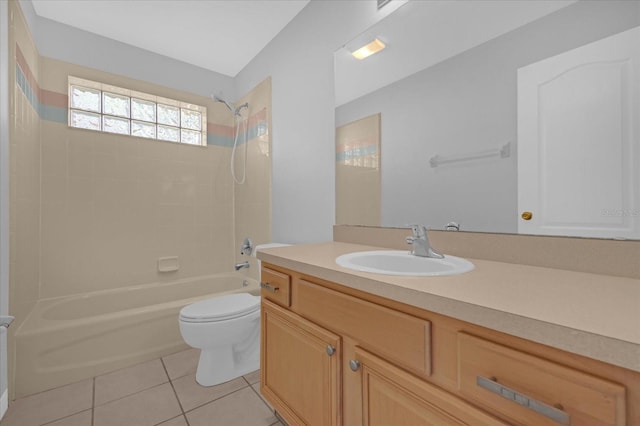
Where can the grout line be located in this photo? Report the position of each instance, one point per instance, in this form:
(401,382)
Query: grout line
(93,402)
(261,398)
(131,394)
(174,391)
(65,417)
(172,418)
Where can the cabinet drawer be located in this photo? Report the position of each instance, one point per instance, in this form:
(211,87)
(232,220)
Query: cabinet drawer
(401,338)
(276,286)
(391,396)
(533,391)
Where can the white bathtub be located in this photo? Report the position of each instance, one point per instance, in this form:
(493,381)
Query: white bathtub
(77,337)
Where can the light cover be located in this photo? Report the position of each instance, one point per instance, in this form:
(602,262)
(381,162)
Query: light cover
(365,51)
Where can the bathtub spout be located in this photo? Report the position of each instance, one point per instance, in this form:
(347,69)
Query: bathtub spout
(241,265)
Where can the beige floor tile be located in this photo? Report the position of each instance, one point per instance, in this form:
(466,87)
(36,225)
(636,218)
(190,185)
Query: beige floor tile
(50,405)
(178,421)
(128,381)
(192,395)
(182,363)
(80,419)
(146,408)
(256,388)
(241,408)
(252,377)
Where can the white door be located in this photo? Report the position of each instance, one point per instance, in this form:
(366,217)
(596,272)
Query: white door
(578,141)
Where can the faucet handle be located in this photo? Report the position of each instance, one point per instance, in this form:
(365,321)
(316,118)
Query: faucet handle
(419,231)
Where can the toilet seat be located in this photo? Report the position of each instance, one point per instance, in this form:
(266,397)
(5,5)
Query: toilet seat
(221,308)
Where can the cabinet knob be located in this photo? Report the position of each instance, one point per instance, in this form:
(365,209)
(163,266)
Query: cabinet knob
(354,365)
(331,350)
(526,215)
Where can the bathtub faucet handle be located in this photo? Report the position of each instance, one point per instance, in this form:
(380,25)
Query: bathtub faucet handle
(247,247)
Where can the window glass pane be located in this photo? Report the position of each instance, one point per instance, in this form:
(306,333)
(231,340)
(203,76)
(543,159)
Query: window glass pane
(191,119)
(168,133)
(85,120)
(191,137)
(143,110)
(115,104)
(168,115)
(85,98)
(144,130)
(115,125)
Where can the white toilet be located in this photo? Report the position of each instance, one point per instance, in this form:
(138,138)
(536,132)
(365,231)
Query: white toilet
(226,329)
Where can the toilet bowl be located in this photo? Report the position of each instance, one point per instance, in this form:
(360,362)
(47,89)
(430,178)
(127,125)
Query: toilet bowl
(226,329)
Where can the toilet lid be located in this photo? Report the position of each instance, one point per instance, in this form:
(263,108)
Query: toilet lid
(221,308)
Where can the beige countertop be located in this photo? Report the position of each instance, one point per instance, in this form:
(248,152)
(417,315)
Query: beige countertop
(597,316)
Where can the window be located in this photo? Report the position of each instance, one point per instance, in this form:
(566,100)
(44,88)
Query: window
(105,108)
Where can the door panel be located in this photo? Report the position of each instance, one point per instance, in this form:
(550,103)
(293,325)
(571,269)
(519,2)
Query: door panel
(578,148)
(301,381)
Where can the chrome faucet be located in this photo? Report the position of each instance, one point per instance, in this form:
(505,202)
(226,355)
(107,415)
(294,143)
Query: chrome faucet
(420,242)
(241,265)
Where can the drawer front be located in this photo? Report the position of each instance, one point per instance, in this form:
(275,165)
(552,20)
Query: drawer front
(276,286)
(533,391)
(401,338)
(391,396)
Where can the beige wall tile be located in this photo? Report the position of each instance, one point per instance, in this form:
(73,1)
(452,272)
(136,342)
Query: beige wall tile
(358,182)
(252,204)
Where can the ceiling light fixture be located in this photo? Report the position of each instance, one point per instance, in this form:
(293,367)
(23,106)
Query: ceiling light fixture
(369,49)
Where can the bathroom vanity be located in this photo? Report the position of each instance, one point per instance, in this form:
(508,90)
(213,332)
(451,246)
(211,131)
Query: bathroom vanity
(341,347)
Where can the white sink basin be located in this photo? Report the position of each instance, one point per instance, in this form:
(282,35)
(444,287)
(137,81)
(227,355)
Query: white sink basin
(398,262)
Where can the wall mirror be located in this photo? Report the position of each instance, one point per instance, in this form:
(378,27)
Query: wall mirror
(456,87)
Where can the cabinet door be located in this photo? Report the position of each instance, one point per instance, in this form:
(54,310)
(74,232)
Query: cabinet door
(391,396)
(300,368)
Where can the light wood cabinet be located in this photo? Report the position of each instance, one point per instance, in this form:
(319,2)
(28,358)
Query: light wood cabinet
(532,390)
(395,364)
(391,396)
(300,369)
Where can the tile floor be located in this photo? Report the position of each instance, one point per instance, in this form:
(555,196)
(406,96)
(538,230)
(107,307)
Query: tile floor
(161,392)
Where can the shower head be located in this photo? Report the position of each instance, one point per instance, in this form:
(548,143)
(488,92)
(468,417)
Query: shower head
(235,111)
(217,99)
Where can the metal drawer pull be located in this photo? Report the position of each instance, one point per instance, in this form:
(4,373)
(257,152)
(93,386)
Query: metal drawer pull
(268,287)
(539,407)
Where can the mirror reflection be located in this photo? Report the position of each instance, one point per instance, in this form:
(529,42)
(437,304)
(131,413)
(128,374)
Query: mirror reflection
(492,112)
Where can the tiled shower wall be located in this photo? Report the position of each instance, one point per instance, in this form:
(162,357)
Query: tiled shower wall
(24,178)
(94,211)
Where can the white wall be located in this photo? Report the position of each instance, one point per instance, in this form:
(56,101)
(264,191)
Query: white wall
(300,62)
(65,43)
